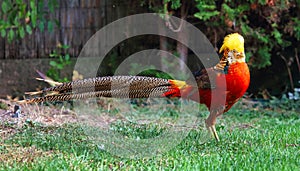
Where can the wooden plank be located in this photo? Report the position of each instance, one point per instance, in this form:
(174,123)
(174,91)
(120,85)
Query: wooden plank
(70,3)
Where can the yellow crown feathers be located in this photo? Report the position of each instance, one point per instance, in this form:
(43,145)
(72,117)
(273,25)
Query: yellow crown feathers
(233,41)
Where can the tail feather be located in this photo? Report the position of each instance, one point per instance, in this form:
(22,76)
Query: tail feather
(49,81)
(108,83)
(113,86)
(34,93)
(157,92)
(46,79)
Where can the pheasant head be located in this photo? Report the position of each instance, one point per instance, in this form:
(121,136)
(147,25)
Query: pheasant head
(233,50)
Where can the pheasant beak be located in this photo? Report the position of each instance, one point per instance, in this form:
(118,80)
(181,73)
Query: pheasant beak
(235,56)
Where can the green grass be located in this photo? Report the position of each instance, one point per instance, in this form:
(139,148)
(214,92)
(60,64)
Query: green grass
(251,139)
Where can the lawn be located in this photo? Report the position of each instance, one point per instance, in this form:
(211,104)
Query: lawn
(252,138)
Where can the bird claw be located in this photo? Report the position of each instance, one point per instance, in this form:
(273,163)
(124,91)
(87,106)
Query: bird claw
(214,133)
(212,129)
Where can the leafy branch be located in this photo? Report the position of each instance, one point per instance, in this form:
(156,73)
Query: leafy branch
(59,62)
(18,18)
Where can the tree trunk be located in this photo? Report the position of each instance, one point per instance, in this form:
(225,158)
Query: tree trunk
(182,36)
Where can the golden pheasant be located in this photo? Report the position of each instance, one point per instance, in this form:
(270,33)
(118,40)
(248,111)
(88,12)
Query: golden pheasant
(231,68)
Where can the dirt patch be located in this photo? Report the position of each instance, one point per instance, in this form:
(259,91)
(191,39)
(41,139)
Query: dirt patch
(47,115)
(51,115)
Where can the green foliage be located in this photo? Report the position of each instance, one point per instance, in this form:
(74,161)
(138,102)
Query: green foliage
(265,34)
(264,57)
(59,62)
(155,73)
(269,28)
(175,4)
(18,18)
(296,27)
(138,69)
(161,7)
(207,10)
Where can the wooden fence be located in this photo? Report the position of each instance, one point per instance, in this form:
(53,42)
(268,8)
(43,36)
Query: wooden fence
(79,20)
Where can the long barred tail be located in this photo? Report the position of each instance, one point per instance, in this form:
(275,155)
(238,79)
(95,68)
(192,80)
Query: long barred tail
(113,86)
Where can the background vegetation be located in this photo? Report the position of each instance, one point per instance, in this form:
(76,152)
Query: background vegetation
(270,27)
(19,18)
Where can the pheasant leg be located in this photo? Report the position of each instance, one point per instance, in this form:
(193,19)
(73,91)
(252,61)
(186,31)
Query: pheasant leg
(210,124)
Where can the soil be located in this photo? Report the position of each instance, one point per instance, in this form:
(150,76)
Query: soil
(47,115)
(50,115)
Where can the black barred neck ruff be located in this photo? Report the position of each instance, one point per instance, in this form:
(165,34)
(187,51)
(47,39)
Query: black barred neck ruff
(221,65)
(223,62)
